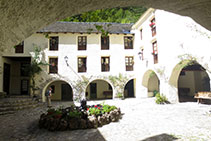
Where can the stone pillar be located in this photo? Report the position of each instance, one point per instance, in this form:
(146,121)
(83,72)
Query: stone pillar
(171,92)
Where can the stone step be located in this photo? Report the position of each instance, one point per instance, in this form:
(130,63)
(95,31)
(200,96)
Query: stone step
(7,112)
(10,105)
(20,103)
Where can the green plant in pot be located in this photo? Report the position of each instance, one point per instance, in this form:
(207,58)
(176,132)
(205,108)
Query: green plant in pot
(120,95)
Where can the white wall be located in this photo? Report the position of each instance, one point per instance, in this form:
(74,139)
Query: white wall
(176,35)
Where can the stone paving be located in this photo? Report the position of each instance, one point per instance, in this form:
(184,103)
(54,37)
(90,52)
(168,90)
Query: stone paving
(142,120)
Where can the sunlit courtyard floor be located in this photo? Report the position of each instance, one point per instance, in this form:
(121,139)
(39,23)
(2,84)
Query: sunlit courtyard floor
(142,120)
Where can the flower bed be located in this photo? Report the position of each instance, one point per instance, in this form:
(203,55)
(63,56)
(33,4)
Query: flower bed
(72,118)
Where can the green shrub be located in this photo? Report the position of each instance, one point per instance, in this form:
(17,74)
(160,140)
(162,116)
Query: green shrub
(120,95)
(100,109)
(161,99)
(74,114)
(108,108)
(94,111)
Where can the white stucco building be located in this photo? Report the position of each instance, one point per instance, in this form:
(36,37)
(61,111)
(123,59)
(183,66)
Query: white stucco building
(161,52)
(176,55)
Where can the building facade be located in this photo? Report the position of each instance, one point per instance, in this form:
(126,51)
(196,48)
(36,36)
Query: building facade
(175,58)
(161,52)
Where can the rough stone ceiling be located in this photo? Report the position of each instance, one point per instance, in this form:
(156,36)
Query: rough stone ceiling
(21,18)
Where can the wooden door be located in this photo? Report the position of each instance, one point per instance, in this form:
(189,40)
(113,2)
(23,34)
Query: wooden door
(6,78)
(93,90)
(67,93)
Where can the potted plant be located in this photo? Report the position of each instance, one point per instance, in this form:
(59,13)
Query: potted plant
(120,96)
(152,24)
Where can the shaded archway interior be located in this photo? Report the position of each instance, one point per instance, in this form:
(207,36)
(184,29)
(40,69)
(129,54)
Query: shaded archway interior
(192,79)
(99,89)
(61,90)
(151,82)
(25,18)
(129,90)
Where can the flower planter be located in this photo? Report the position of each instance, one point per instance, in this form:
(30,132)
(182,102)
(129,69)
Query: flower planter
(79,119)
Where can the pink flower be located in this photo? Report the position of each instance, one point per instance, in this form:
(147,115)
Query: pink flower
(95,106)
(152,24)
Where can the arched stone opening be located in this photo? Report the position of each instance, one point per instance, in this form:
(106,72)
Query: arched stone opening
(189,77)
(61,90)
(129,89)
(151,82)
(99,89)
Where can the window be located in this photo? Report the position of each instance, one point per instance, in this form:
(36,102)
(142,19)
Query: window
(129,63)
(128,42)
(53,67)
(19,48)
(155,52)
(105,64)
(81,42)
(104,42)
(153,27)
(82,64)
(141,34)
(54,43)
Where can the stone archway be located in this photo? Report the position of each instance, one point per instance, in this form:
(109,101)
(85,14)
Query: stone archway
(61,90)
(129,89)
(99,89)
(187,78)
(25,18)
(151,82)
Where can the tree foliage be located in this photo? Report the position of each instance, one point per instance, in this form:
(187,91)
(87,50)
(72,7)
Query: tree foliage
(34,68)
(117,15)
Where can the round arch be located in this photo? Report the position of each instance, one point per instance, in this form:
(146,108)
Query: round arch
(62,90)
(187,78)
(99,89)
(129,88)
(151,81)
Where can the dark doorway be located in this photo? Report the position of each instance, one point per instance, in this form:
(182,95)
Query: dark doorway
(6,78)
(93,90)
(25,87)
(129,89)
(67,93)
(192,79)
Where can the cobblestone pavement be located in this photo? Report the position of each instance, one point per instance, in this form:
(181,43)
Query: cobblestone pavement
(142,120)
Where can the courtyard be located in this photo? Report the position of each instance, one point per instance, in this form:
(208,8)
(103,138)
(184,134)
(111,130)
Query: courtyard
(142,119)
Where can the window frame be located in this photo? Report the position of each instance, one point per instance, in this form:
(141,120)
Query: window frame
(155,52)
(82,42)
(141,34)
(105,46)
(153,29)
(105,67)
(83,67)
(129,63)
(128,45)
(51,68)
(19,48)
(54,43)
